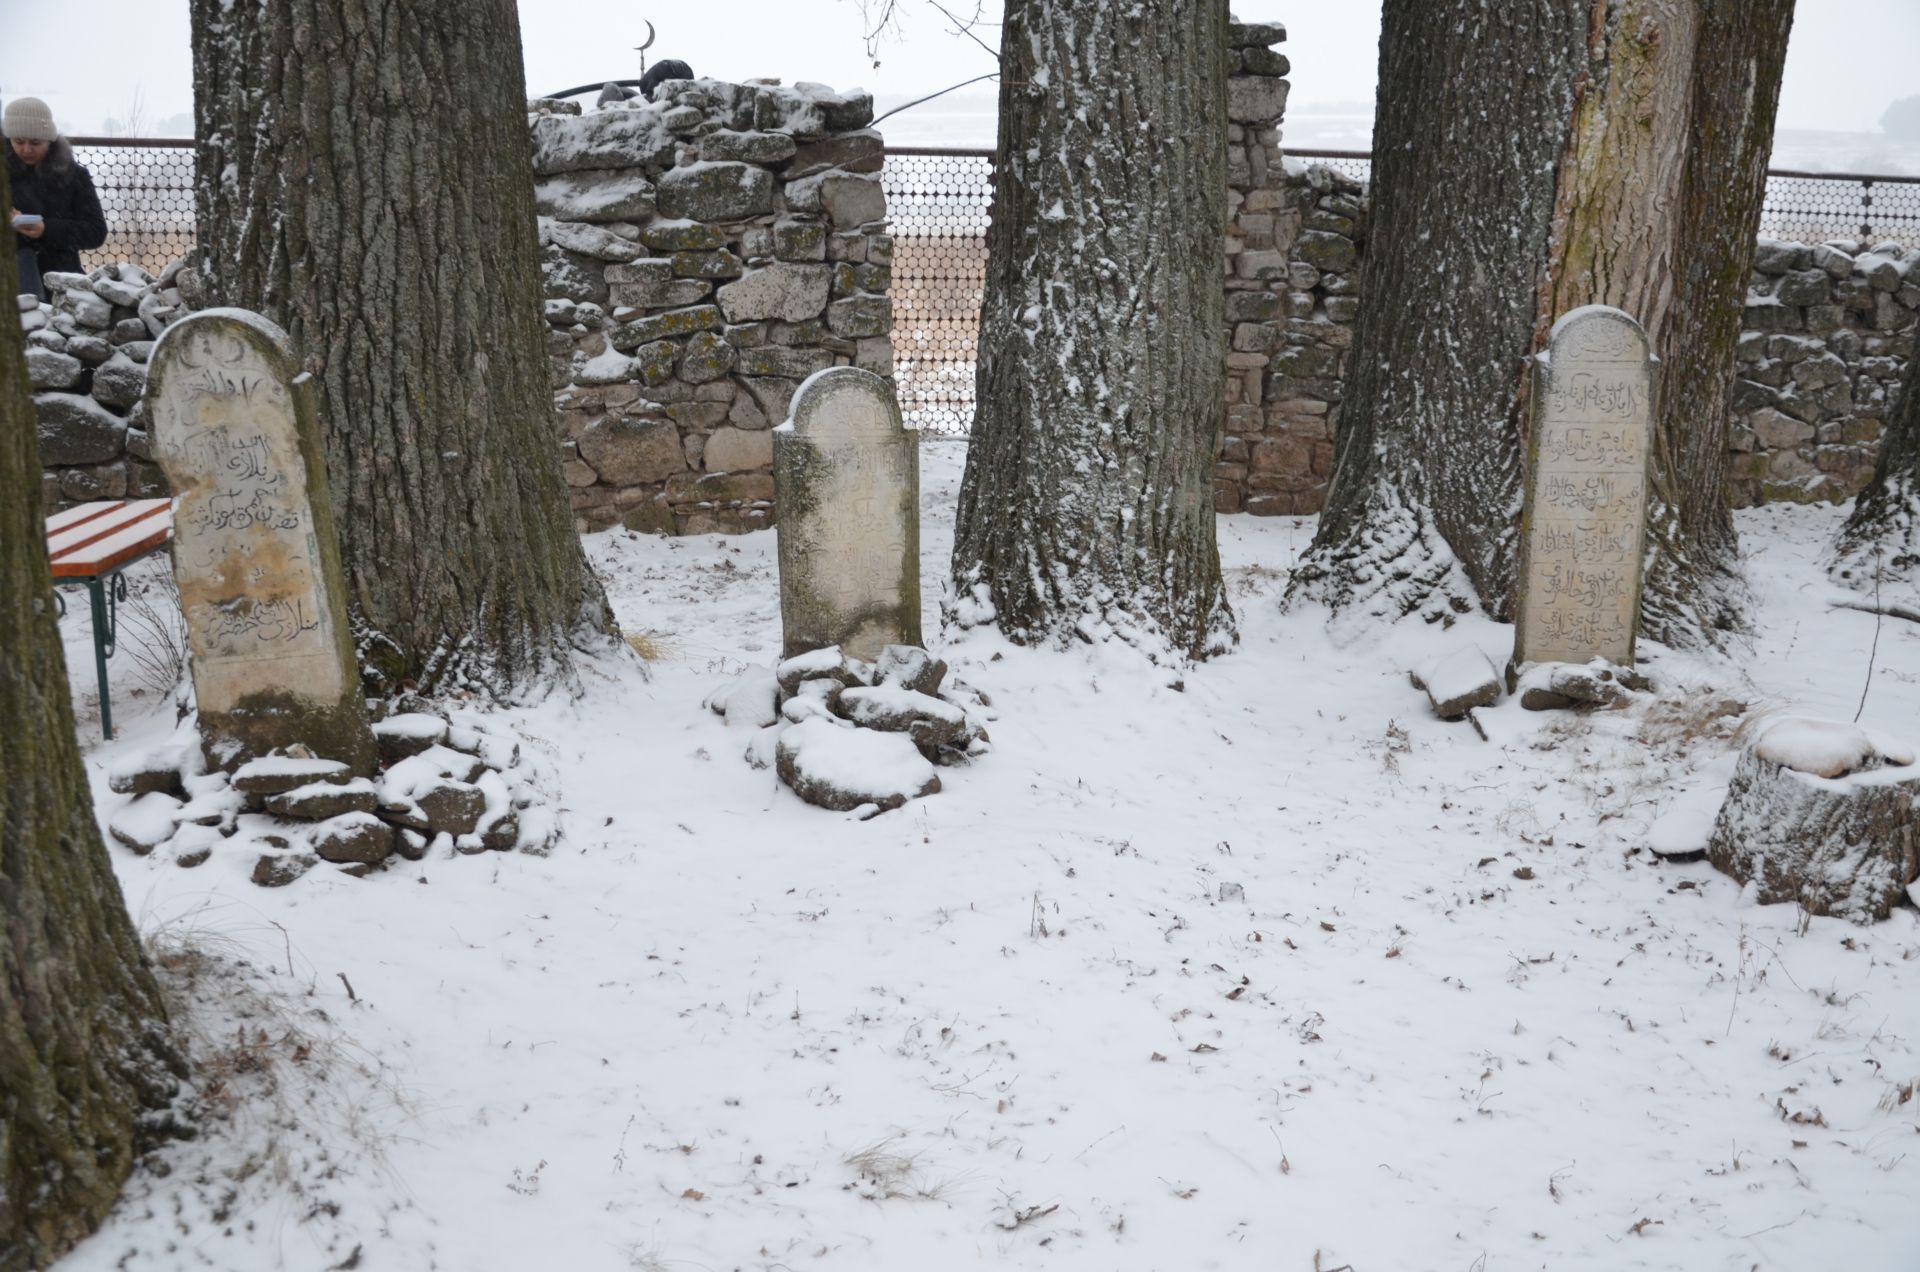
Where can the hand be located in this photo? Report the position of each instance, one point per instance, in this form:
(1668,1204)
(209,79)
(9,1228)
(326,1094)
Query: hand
(32,230)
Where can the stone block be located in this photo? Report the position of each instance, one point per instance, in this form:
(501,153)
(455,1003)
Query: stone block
(716,192)
(596,197)
(799,241)
(747,147)
(74,429)
(859,316)
(1256,99)
(736,450)
(707,356)
(675,322)
(617,138)
(683,236)
(851,152)
(632,452)
(786,291)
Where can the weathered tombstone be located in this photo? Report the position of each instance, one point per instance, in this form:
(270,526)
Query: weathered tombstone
(254,550)
(846,478)
(1585,525)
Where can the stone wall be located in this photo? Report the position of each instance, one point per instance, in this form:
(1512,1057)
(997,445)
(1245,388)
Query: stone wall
(704,254)
(1827,332)
(86,364)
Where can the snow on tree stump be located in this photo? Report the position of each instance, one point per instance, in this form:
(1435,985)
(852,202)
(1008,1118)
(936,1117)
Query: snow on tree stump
(1822,814)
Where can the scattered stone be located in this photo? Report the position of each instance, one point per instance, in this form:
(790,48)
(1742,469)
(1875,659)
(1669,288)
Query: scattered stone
(278,869)
(1556,686)
(749,701)
(146,823)
(827,663)
(277,774)
(354,837)
(843,769)
(939,729)
(909,667)
(323,800)
(1459,682)
(408,734)
(153,771)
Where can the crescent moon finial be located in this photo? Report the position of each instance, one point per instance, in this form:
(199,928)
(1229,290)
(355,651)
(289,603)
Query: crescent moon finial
(650,37)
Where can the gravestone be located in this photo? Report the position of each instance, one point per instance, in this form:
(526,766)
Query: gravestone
(846,478)
(1584,530)
(254,550)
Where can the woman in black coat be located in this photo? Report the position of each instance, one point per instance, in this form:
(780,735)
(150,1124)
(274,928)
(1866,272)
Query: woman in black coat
(48,184)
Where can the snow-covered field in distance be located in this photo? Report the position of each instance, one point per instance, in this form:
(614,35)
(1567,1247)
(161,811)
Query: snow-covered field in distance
(1455,1017)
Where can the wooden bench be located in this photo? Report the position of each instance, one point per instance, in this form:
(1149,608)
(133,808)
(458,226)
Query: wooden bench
(89,545)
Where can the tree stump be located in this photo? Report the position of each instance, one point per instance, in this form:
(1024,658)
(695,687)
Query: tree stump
(1824,815)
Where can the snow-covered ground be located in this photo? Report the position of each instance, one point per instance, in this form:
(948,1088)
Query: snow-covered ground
(1269,971)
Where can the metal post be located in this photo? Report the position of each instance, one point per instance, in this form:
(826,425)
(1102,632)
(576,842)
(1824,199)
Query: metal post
(102,645)
(1866,213)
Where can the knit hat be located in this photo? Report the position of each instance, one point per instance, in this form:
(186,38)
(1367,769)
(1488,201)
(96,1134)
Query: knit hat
(28,119)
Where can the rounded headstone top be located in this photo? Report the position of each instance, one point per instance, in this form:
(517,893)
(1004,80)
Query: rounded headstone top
(223,336)
(844,403)
(1598,332)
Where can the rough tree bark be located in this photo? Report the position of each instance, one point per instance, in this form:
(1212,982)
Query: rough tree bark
(364,180)
(1878,548)
(84,1047)
(1086,509)
(1626,167)
(1695,592)
(1422,510)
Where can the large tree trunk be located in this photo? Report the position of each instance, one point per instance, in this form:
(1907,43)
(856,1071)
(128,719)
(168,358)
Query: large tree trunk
(1878,549)
(1625,167)
(365,180)
(84,1049)
(1694,591)
(1087,506)
(1422,510)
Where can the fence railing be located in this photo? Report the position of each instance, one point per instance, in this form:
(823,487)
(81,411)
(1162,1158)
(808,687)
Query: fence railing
(938,201)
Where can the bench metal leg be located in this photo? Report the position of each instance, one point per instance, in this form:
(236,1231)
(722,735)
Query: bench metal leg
(97,602)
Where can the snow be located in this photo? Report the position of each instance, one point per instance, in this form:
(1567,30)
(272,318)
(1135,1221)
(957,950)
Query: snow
(281,767)
(1456,1014)
(413,725)
(1456,675)
(870,765)
(1825,748)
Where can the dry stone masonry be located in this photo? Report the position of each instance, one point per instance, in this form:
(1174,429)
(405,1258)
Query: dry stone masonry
(705,253)
(86,364)
(847,476)
(254,550)
(1828,331)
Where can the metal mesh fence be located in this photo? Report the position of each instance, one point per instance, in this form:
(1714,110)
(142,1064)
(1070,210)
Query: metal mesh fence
(146,191)
(938,201)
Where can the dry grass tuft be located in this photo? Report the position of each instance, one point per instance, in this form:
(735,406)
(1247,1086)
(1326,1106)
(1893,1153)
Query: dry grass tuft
(649,645)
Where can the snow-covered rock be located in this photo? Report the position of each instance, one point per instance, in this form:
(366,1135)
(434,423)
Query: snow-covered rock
(845,769)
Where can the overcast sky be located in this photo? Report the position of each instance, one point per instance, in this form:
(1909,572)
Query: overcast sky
(1849,58)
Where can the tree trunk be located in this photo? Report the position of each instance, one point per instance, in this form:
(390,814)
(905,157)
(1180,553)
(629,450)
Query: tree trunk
(1422,510)
(1695,592)
(1878,549)
(365,181)
(84,1048)
(1087,505)
(1625,167)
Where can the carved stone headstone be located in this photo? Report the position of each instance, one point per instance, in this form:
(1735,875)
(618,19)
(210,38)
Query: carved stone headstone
(1585,527)
(254,548)
(846,477)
